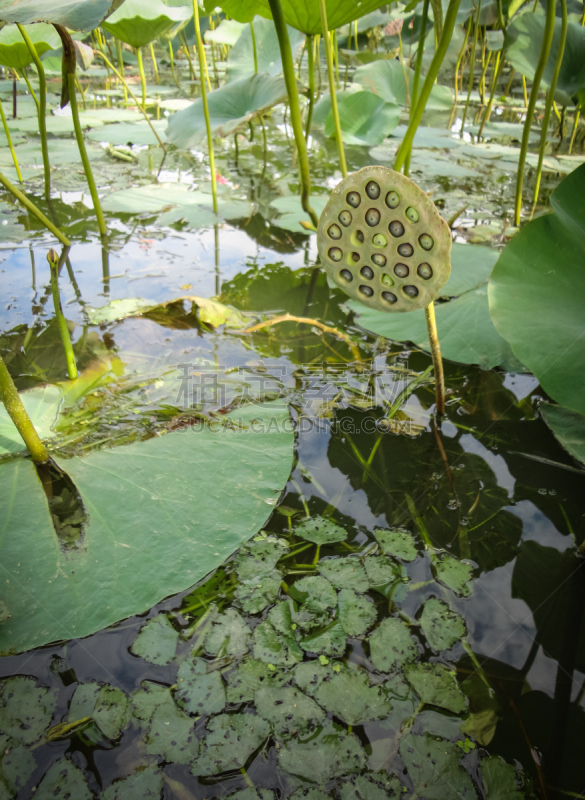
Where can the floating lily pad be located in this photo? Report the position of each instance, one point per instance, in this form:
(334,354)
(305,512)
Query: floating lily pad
(17,765)
(129,133)
(397,543)
(320,531)
(310,675)
(291,213)
(257,558)
(275,648)
(357,614)
(499,779)
(199,692)
(145,701)
(157,641)
(25,708)
(454,573)
(144,784)
(330,640)
(568,427)
(433,767)
(441,626)
(251,675)
(287,709)
(381,570)
(436,684)
(364,787)
(230,636)
(391,645)
(345,573)
(171,734)
(65,779)
(230,741)
(83,701)
(255,595)
(348,695)
(110,711)
(329,755)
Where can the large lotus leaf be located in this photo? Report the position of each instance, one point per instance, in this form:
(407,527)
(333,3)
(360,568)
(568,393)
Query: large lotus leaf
(567,426)
(365,118)
(539,276)
(138,22)
(240,63)
(433,767)
(524,41)
(227,32)
(80,16)
(42,405)
(162,514)
(230,107)
(14,51)
(331,754)
(386,78)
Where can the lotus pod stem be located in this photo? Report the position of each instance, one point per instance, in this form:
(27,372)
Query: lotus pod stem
(53,260)
(332,89)
(142,76)
(19,416)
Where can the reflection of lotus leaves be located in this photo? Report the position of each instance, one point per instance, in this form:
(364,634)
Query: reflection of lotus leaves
(400,231)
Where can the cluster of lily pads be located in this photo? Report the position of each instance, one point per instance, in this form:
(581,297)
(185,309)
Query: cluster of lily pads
(301,668)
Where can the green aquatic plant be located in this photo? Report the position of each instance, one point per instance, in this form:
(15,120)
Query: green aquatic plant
(19,416)
(54,262)
(383,242)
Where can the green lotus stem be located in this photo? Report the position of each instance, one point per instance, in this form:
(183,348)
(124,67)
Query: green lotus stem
(460,59)
(575,126)
(18,414)
(482,77)
(185,47)
(488,110)
(133,96)
(295,111)
(501,22)
(417,69)
(471,67)
(355,34)
(142,76)
(154,64)
(10,145)
(336,57)
(42,107)
(549,101)
(53,260)
(332,91)
(310,46)
(172,60)
(23,200)
(201,57)
(543,58)
(254,50)
(33,94)
(440,52)
(436,352)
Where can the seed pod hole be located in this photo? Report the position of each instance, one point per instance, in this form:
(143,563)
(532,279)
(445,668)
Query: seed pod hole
(353,258)
(387,280)
(405,249)
(389,297)
(334,231)
(379,260)
(367,273)
(412,214)
(357,238)
(379,240)
(426,241)
(335,254)
(346,275)
(367,291)
(425,271)
(410,291)
(353,199)
(372,190)
(345,217)
(396,228)
(392,199)
(401,270)
(372,217)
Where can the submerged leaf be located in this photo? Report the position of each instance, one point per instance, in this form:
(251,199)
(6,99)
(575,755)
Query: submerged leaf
(499,779)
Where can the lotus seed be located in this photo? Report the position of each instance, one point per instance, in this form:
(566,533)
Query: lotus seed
(355,257)
(412,214)
(357,237)
(392,199)
(345,218)
(346,275)
(411,291)
(373,190)
(379,260)
(405,249)
(401,270)
(389,297)
(387,280)
(372,217)
(425,271)
(396,228)
(367,273)
(353,199)
(426,241)
(367,291)
(379,240)
(335,254)
(334,231)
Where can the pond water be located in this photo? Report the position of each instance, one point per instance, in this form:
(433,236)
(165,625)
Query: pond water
(478,599)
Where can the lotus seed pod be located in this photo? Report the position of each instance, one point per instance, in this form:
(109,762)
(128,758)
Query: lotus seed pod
(383,242)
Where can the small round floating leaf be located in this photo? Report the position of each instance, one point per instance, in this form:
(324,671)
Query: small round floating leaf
(396,228)
(392,199)
(405,249)
(387,280)
(367,273)
(401,270)
(335,254)
(389,297)
(334,231)
(373,217)
(355,257)
(379,260)
(379,240)
(346,275)
(411,291)
(367,291)
(426,241)
(373,190)
(345,217)
(353,199)
(412,214)
(425,271)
